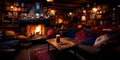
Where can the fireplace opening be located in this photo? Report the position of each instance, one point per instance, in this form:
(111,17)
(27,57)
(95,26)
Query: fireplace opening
(35,30)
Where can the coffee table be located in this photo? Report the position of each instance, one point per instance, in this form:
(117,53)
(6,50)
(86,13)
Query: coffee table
(63,44)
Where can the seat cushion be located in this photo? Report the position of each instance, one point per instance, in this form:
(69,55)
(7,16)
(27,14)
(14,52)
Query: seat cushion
(22,37)
(9,33)
(9,44)
(89,49)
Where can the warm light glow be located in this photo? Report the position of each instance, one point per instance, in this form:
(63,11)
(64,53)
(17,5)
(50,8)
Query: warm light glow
(70,13)
(60,20)
(83,18)
(52,12)
(41,15)
(25,14)
(100,11)
(94,9)
(50,0)
(35,29)
(84,11)
(11,7)
(79,26)
(37,15)
(15,9)
(38,29)
(57,35)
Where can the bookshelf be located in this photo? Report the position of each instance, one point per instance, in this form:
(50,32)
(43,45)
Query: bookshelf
(10,12)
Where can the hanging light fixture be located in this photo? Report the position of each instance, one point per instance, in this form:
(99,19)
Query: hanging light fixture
(50,0)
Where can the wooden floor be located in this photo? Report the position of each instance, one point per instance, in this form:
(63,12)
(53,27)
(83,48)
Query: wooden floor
(23,54)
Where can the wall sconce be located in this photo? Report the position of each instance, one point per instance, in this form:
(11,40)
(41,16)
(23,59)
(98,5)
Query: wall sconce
(84,11)
(52,12)
(94,10)
(11,7)
(70,13)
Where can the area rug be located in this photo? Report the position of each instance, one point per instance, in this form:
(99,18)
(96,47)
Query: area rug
(40,54)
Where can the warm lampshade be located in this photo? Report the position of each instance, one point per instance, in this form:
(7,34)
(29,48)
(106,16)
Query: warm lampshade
(50,0)
(83,18)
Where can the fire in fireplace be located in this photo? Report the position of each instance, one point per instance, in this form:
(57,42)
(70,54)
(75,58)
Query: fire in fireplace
(35,29)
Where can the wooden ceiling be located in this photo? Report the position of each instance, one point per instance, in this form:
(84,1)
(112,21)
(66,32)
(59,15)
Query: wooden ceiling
(69,4)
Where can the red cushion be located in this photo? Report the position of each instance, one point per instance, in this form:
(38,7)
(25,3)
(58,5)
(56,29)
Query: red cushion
(80,36)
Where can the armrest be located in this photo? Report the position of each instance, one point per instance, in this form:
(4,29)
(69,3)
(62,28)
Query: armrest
(113,42)
(7,50)
(110,44)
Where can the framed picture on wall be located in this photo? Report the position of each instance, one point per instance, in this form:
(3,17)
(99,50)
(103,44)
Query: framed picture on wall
(99,16)
(92,16)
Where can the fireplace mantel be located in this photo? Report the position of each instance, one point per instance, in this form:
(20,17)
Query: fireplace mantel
(35,21)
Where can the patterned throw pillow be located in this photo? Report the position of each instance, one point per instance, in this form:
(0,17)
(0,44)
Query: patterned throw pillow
(9,33)
(22,37)
(80,36)
(100,40)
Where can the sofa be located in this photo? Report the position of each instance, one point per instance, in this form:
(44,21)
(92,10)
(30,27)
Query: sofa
(9,44)
(9,40)
(109,50)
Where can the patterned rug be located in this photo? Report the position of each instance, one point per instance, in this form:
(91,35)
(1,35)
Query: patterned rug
(40,54)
